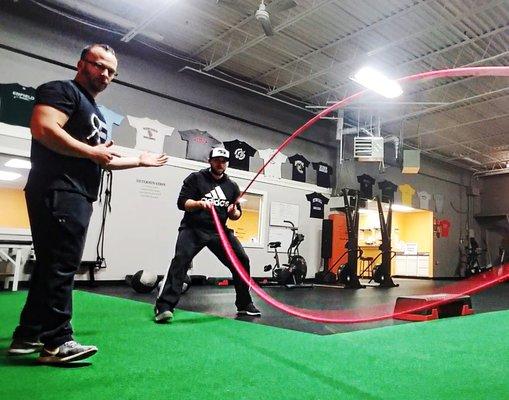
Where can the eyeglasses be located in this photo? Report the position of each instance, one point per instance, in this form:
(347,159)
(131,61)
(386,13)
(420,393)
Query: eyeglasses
(102,67)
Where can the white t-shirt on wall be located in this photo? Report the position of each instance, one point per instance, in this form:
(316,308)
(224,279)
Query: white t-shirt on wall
(272,169)
(150,133)
(424,198)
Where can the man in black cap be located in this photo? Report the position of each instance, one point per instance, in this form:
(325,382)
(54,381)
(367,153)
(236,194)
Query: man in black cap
(201,190)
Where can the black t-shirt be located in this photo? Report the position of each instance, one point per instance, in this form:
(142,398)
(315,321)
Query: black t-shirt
(299,165)
(323,173)
(388,188)
(16,104)
(51,170)
(202,185)
(317,203)
(366,182)
(240,152)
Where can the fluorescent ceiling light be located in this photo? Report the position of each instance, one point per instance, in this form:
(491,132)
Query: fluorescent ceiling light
(402,208)
(378,82)
(18,163)
(9,176)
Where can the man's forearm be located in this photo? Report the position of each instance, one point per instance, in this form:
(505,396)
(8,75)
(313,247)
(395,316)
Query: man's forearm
(193,205)
(58,140)
(123,163)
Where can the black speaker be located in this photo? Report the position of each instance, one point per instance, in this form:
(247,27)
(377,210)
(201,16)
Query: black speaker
(326,238)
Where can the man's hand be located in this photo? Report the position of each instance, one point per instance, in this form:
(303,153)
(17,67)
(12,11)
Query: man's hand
(233,212)
(102,155)
(205,205)
(152,160)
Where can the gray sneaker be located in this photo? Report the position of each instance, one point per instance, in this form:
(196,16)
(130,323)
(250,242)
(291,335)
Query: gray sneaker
(67,352)
(20,347)
(163,316)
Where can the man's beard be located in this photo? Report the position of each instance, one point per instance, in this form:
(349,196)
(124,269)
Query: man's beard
(217,172)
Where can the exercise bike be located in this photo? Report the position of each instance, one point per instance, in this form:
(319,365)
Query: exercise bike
(473,266)
(292,274)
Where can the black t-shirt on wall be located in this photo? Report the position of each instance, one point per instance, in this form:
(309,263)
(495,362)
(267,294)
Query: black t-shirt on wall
(323,173)
(51,170)
(16,104)
(366,183)
(299,165)
(388,189)
(317,204)
(240,152)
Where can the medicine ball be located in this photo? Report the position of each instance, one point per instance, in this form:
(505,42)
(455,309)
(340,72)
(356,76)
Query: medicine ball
(185,285)
(144,281)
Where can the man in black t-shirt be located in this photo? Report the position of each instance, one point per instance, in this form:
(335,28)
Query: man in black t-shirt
(202,190)
(68,150)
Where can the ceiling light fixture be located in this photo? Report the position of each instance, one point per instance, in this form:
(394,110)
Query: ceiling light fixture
(9,176)
(378,82)
(18,163)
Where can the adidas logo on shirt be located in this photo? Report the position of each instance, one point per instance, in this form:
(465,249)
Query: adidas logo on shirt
(217,197)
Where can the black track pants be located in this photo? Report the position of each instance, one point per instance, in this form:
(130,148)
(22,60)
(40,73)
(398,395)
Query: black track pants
(59,222)
(189,243)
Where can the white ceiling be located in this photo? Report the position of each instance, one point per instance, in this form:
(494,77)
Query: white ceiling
(319,44)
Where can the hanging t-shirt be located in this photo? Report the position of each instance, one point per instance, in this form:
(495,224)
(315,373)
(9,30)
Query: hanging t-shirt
(199,144)
(149,133)
(112,118)
(388,188)
(317,203)
(323,173)
(445,225)
(16,104)
(299,165)
(424,198)
(274,167)
(407,192)
(240,153)
(366,183)
(439,202)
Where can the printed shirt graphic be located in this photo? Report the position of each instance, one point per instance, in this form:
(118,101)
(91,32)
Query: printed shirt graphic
(299,165)
(240,152)
(317,203)
(112,118)
(388,188)
(407,192)
(323,173)
(199,144)
(424,198)
(274,167)
(217,197)
(439,202)
(16,104)
(149,133)
(366,183)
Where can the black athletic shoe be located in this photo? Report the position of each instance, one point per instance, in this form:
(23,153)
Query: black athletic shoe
(20,347)
(162,316)
(250,309)
(67,352)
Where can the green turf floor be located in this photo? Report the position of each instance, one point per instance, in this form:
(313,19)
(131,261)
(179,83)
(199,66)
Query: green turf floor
(200,356)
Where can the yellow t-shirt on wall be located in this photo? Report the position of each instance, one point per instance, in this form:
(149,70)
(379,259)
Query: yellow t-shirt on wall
(407,192)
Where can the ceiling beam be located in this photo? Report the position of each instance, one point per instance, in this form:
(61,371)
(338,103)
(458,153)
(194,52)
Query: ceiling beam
(261,38)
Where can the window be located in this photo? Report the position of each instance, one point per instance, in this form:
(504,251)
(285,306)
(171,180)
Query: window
(249,228)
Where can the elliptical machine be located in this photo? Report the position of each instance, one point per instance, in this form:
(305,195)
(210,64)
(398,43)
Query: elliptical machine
(347,273)
(292,274)
(382,271)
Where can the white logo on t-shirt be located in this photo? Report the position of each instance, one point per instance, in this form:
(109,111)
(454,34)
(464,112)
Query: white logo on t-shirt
(239,154)
(217,197)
